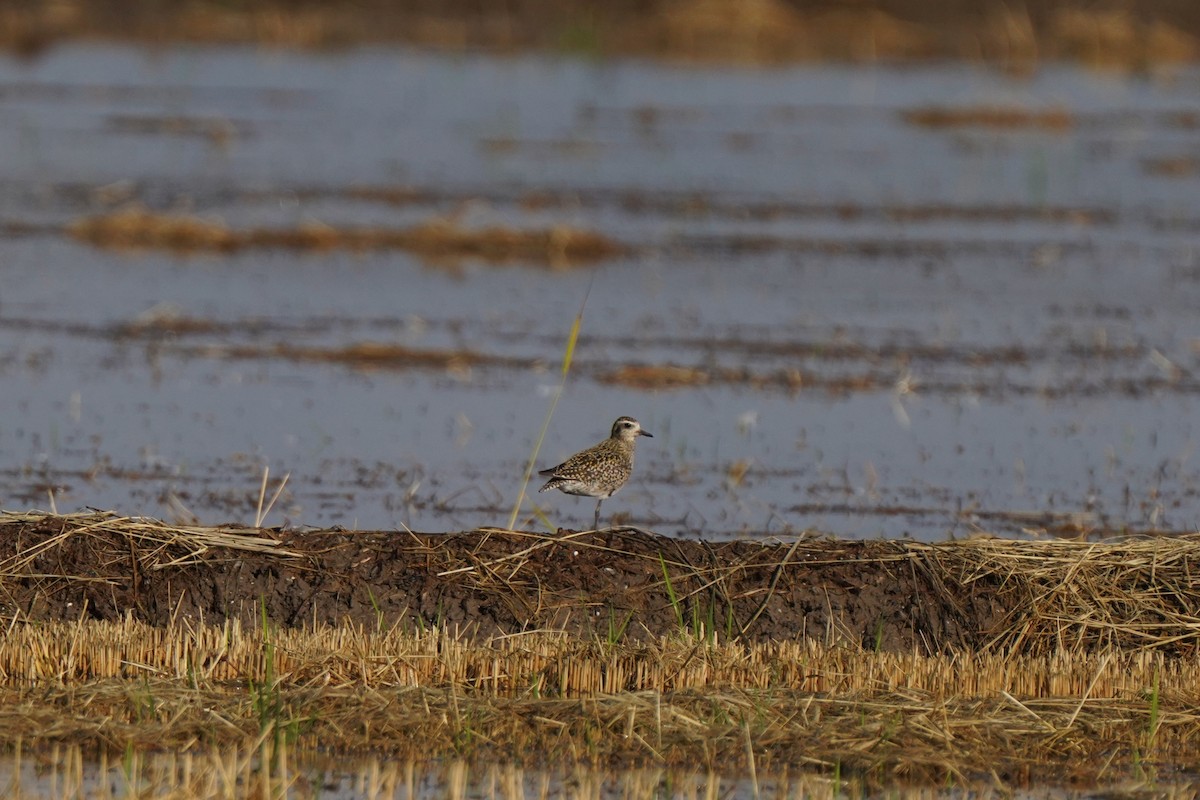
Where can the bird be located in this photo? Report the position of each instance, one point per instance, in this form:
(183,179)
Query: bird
(601,470)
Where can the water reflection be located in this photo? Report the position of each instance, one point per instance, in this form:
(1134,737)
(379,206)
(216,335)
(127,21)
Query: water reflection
(68,772)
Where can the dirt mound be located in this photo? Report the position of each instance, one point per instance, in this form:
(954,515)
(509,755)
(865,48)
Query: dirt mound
(623,583)
(489,583)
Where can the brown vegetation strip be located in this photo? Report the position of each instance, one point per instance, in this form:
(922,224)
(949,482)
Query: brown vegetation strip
(363,355)
(891,350)
(546,698)
(217,130)
(136,227)
(763,31)
(670,376)
(378,656)
(985,117)
(691,204)
(1172,167)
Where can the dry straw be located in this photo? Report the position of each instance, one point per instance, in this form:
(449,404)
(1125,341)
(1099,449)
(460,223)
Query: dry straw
(137,227)
(549,663)
(1088,666)
(187,544)
(1138,592)
(680,700)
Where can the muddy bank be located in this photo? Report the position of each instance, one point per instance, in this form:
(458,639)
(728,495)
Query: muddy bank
(626,583)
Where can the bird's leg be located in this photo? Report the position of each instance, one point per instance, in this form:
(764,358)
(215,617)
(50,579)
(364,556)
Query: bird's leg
(596,522)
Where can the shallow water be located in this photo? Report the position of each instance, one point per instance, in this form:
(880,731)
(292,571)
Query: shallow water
(906,329)
(66,772)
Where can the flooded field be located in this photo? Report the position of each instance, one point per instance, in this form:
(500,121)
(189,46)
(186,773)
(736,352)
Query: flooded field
(858,300)
(334,290)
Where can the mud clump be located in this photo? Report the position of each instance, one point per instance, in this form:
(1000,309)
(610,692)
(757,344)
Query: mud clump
(493,582)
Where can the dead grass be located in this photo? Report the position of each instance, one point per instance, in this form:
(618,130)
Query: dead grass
(217,131)
(1114,37)
(1018,36)
(135,227)
(543,663)
(672,376)
(1054,120)
(678,701)
(658,376)
(167,546)
(1089,675)
(1172,167)
(1133,593)
(366,355)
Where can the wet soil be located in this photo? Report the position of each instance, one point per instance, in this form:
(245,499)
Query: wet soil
(627,583)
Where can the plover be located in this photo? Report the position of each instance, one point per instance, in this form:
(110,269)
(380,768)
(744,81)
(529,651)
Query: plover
(601,470)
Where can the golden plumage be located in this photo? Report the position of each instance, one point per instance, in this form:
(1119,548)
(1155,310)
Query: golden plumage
(601,470)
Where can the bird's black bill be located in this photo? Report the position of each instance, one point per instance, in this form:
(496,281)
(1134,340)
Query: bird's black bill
(643,433)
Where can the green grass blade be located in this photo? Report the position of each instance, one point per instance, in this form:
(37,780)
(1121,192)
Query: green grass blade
(571,340)
(671,593)
(568,355)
